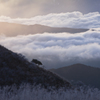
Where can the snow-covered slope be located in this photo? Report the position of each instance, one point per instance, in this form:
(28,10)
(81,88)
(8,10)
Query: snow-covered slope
(14,68)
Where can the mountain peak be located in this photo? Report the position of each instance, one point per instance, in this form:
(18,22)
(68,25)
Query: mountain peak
(79,72)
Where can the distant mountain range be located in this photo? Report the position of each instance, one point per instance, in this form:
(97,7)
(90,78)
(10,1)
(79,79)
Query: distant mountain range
(79,72)
(15,69)
(12,29)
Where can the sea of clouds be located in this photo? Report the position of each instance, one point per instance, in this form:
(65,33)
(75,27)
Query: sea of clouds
(57,50)
(70,19)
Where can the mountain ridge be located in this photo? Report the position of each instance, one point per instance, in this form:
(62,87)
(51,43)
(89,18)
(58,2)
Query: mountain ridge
(79,72)
(14,29)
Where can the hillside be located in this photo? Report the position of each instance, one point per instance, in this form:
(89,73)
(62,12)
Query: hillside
(79,72)
(11,29)
(15,69)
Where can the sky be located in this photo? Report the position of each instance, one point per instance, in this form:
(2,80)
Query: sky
(55,50)
(31,8)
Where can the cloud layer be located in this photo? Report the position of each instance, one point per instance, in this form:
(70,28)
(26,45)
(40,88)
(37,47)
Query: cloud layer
(58,50)
(69,19)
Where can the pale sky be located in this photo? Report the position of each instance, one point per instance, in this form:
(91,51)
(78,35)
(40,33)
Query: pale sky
(31,8)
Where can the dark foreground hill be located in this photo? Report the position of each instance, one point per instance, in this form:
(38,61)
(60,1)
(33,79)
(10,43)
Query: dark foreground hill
(11,29)
(79,72)
(15,69)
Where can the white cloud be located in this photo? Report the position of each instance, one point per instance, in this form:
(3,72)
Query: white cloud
(69,19)
(58,50)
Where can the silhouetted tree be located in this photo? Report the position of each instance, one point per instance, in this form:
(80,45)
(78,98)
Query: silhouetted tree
(36,61)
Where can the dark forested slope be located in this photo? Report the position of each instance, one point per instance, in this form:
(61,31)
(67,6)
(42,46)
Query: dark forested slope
(15,69)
